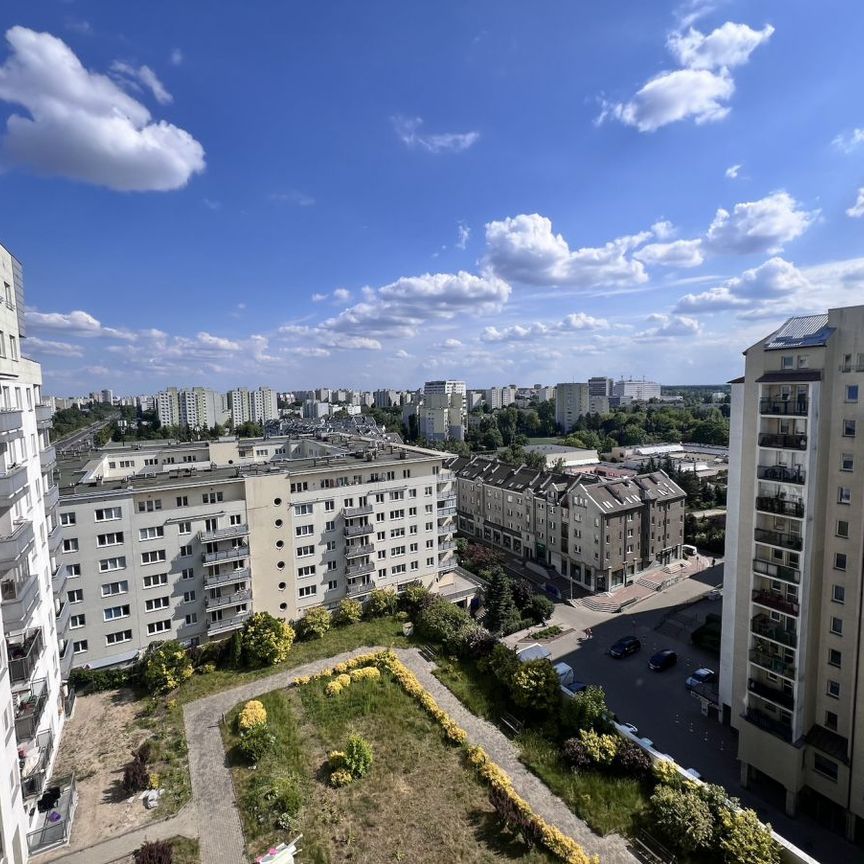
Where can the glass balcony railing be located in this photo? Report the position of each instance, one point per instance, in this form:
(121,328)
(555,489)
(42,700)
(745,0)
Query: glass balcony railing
(783,441)
(779,538)
(784,698)
(776,601)
(358,530)
(797,407)
(762,625)
(776,571)
(233,554)
(782,474)
(772,663)
(213,578)
(780,506)
(359,551)
(769,723)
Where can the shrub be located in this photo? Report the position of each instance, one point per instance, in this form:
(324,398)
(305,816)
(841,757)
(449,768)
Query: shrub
(266,640)
(144,752)
(336,760)
(500,608)
(745,840)
(601,748)
(95,680)
(166,665)
(682,817)
(415,598)
(576,754)
(666,772)
(315,623)
(255,742)
(348,612)
(253,714)
(502,663)
(333,688)
(155,852)
(344,679)
(535,686)
(443,622)
(539,608)
(366,673)
(476,641)
(631,760)
(274,800)
(380,602)
(341,777)
(206,668)
(358,756)
(136,778)
(153,780)
(233,656)
(586,710)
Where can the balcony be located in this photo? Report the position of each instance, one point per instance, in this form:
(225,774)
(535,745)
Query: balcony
(24,656)
(773,663)
(447,501)
(59,575)
(446,545)
(33,782)
(61,618)
(234,554)
(28,714)
(52,497)
(780,506)
(446,566)
(54,830)
(446,530)
(354,512)
(779,697)
(359,587)
(212,579)
(229,533)
(44,416)
(359,551)
(55,535)
(15,545)
(214,601)
(13,481)
(358,530)
(228,622)
(782,474)
(778,538)
(776,601)
(67,653)
(19,591)
(444,512)
(783,442)
(360,569)
(797,407)
(48,457)
(11,421)
(776,571)
(769,723)
(762,625)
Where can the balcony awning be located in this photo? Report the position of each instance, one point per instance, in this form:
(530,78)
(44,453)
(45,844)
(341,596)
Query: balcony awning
(829,742)
(790,377)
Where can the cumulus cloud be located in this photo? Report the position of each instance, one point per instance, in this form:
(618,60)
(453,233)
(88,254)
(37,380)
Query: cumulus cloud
(572,323)
(678,253)
(524,249)
(759,226)
(727,46)
(83,126)
(343,295)
(408,131)
(849,141)
(665,328)
(856,211)
(51,347)
(77,322)
(732,172)
(135,77)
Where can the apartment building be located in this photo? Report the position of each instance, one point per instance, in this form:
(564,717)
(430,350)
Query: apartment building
(186,541)
(791,661)
(601,534)
(34,654)
(443,412)
(635,390)
(263,405)
(575,400)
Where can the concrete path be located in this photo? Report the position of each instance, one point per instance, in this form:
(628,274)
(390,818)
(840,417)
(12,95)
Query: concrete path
(219,830)
(184,824)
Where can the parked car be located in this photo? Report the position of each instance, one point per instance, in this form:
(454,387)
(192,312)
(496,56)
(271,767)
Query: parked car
(663,660)
(625,646)
(552,590)
(688,550)
(701,676)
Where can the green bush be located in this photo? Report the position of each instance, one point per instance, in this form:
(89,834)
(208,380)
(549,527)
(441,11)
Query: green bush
(631,760)
(746,840)
(315,623)
(414,599)
(255,743)
(358,756)
(380,603)
(539,608)
(535,686)
(586,710)
(348,612)
(166,665)
(502,663)
(265,640)
(96,680)
(136,778)
(682,817)
(444,623)
(274,801)
(600,747)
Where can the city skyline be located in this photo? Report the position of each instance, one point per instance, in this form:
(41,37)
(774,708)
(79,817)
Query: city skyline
(457,209)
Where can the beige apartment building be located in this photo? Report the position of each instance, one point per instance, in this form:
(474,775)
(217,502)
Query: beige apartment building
(601,534)
(185,541)
(791,646)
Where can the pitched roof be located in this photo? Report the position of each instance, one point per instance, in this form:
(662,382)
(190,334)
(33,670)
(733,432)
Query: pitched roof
(806,331)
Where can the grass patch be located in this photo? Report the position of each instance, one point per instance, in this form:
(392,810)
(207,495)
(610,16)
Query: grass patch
(480,693)
(185,850)
(607,804)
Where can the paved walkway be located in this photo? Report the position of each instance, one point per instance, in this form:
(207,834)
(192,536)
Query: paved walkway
(185,824)
(219,830)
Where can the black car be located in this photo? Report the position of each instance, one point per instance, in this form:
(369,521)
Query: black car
(624,647)
(662,660)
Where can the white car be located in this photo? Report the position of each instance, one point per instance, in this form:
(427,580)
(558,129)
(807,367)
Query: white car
(701,676)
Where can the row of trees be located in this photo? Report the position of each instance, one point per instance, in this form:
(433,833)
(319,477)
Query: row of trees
(145,426)
(69,420)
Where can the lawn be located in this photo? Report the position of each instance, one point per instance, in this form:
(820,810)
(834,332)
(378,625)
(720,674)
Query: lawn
(420,802)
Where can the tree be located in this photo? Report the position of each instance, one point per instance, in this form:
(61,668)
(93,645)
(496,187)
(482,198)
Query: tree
(539,608)
(315,623)
(500,608)
(266,640)
(682,816)
(502,662)
(166,666)
(745,840)
(444,622)
(348,612)
(380,602)
(586,710)
(535,686)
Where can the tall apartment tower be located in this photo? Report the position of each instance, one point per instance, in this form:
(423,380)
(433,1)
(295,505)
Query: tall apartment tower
(168,407)
(444,411)
(239,406)
(34,654)
(791,663)
(571,403)
(263,405)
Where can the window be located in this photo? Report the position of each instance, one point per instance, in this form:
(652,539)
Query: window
(77,621)
(67,518)
(115,538)
(188,596)
(235,519)
(155,579)
(331,546)
(308,570)
(79,647)
(73,570)
(108,514)
(826,767)
(308,591)
(331,565)
(158,627)
(76,595)
(157,603)
(118,637)
(842,529)
(191,618)
(304,530)
(847,462)
(835,657)
(211,497)
(332,585)
(838,594)
(844,495)
(851,392)
(330,525)
(109,589)
(13,348)
(303,509)
(149,506)
(70,545)
(837,626)
(329,505)
(398,568)
(839,561)
(831,721)
(848,428)
(107,564)
(185,551)
(304,551)
(182,501)
(151,533)
(787,362)
(187,573)
(183,528)
(154,557)
(114,612)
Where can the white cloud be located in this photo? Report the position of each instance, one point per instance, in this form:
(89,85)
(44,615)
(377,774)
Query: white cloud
(463,235)
(81,125)
(727,46)
(451,343)
(132,77)
(210,204)
(217,342)
(849,141)
(408,131)
(668,327)
(49,346)
(343,295)
(294,196)
(402,354)
(759,226)
(678,253)
(573,323)
(318,297)
(176,57)
(732,172)
(856,211)
(363,343)
(524,249)
(78,322)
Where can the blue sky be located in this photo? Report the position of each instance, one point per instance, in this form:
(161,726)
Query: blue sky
(373,194)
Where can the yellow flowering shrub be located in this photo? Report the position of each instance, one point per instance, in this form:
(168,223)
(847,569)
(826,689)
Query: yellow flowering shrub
(341,777)
(344,679)
(365,673)
(334,688)
(253,714)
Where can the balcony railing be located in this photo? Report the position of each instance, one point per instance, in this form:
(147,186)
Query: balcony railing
(212,601)
(48,457)
(228,623)
(359,550)
(774,600)
(229,533)
(783,441)
(768,723)
(11,421)
(55,535)
(52,497)
(763,626)
(780,506)
(61,618)
(59,575)
(447,501)
(67,654)
(778,538)
(360,569)
(773,663)
(354,512)
(19,592)
(447,545)
(13,480)
(443,512)
(358,530)
(43,416)
(33,784)
(24,656)
(782,474)
(779,697)
(15,545)
(797,407)
(776,571)
(359,586)
(446,530)
(51,834)
(241,575)
(232,554)
(28,715)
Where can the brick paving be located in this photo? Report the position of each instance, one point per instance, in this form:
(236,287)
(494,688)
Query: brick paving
(219,830)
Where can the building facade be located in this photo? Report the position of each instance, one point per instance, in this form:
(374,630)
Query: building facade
(575,400)
(443,412)
(791,661)
(635,390)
